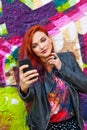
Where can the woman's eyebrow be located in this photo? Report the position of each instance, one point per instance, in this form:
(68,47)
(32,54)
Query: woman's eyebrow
(39,40)
(42,37)
(33,43)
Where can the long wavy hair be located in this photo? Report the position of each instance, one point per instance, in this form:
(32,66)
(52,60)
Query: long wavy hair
(26,48)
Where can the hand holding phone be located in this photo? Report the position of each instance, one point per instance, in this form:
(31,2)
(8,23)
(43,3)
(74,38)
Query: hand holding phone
(26,62)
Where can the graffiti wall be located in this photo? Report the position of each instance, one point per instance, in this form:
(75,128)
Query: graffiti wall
(65,20)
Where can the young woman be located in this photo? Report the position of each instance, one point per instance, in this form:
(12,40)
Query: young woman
(53,85)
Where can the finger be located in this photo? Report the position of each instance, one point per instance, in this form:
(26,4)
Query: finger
(51,61)
(31,80)
(30,76)
(55,55)
(22,67)
(30,72)
(50,58)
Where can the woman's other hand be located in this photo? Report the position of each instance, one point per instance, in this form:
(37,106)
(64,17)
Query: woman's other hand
(54,60)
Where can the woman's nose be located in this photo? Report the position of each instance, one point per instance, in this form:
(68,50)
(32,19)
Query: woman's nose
(41,46)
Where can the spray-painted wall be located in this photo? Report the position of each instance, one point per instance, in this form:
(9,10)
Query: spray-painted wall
(66,21)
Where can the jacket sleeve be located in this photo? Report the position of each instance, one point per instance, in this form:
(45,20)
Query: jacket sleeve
(28,96)
(74,74)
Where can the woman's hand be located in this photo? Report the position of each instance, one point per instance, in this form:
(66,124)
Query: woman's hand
(54,60)
(27,78)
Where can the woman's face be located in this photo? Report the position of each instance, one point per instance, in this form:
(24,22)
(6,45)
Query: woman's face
(41,45)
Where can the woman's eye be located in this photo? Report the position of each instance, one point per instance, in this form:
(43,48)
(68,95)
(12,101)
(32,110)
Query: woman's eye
(43,40)
(34,46)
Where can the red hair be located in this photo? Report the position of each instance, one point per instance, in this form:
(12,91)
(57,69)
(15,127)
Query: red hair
(26,47)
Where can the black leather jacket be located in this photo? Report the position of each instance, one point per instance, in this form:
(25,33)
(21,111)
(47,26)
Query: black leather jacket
(39,115)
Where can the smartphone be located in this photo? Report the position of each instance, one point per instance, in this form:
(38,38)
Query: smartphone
(26,62)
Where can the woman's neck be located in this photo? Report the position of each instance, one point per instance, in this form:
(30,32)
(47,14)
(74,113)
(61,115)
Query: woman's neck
(49,67)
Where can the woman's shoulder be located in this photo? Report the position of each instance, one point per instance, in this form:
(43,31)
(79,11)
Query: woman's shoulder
(66,54)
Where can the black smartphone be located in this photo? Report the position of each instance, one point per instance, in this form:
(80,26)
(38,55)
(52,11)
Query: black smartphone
(26,62)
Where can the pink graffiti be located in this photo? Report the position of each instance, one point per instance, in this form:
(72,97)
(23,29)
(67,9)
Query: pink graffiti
(6,48)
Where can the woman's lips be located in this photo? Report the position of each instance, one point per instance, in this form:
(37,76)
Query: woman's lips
(44,51)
